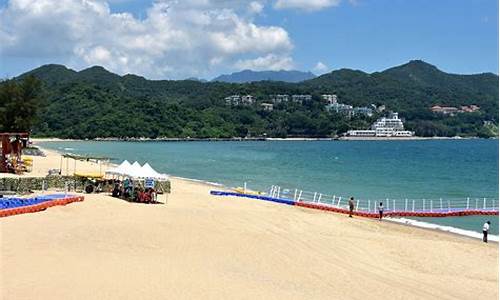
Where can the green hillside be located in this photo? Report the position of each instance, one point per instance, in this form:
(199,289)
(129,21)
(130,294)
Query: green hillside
(97,103)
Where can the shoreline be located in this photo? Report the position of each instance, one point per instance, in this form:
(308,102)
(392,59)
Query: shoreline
(260,139)
(456,231)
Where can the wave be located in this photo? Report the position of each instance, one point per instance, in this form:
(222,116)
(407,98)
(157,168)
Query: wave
(450,229)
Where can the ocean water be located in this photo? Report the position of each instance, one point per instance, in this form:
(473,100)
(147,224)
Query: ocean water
(363,169)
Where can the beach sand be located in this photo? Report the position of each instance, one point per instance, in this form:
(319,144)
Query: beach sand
(199,246)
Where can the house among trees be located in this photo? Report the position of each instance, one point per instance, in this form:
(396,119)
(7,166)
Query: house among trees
(330,99)
(236,100)
(451,110)
(267,106)
(301,98)
(278,98)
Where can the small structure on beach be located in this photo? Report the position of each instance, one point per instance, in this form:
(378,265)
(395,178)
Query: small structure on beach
(12,145)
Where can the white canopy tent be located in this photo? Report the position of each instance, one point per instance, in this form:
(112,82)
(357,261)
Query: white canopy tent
(120,170)
(136,171)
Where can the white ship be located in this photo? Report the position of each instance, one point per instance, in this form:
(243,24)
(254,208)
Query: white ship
(391,126)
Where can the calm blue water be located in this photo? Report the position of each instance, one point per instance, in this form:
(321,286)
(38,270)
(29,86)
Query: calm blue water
(364,169)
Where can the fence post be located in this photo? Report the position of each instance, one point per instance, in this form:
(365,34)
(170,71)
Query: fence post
(468,202)
(406,204)
(338,203)
(484,204)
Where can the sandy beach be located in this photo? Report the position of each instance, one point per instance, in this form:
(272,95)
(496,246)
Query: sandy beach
(199,246)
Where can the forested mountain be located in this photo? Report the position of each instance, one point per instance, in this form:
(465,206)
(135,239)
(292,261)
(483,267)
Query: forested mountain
(97,103)
(252,76)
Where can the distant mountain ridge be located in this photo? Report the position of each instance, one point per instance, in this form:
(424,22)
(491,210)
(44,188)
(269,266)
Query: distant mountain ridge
(253,76)
(97,103)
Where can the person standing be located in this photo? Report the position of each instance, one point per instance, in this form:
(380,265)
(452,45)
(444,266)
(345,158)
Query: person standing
(486,229)
(351,206)
(380,210)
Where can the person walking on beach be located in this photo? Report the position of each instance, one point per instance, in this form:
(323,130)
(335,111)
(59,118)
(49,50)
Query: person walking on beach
(380,210)
(486,229)
(351,206)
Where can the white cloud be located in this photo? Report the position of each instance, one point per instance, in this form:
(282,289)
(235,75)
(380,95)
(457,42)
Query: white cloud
(255,7)
(309,5)
(269,62)
(320,68)
(175,39)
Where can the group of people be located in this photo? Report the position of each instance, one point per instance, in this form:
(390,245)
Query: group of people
(127,190)
(380,208)
(486,226)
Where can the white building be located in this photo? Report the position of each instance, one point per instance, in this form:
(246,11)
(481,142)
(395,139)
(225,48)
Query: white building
(301,98)
(330,99)
(391,126)
(278,98)
(233,100)
(267,106)
(247,100)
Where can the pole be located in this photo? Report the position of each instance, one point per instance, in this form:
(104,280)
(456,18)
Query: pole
(423,204)
(279,190)
(476,203)
(300,194)
(449,206)
(441,203)
(295,195)
(357,204)
(468,202)
(244,187)
(406,204)
(314,197)
(338,203)
(319,199)
(413,207)
(388,203)
(431,205)
(369,206)
(393,204)
(484,203)
(333,200)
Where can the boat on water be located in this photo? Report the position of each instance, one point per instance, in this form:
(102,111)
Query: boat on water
(391,126)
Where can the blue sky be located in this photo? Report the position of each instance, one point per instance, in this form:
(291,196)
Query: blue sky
(203,38)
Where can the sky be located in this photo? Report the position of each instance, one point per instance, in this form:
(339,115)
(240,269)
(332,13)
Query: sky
(177,39)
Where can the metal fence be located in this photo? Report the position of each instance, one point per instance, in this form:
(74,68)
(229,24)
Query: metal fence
(371,205)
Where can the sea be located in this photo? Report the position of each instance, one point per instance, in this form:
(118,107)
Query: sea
(412,169)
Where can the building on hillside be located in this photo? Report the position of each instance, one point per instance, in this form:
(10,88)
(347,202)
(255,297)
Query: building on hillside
(445,110)
(365,111)
(340,108)
(236,100)
(233,100)
(469,108)
(301,98)
(330,98)
(247,100)
(381,108)
(278,98)
(267,106)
